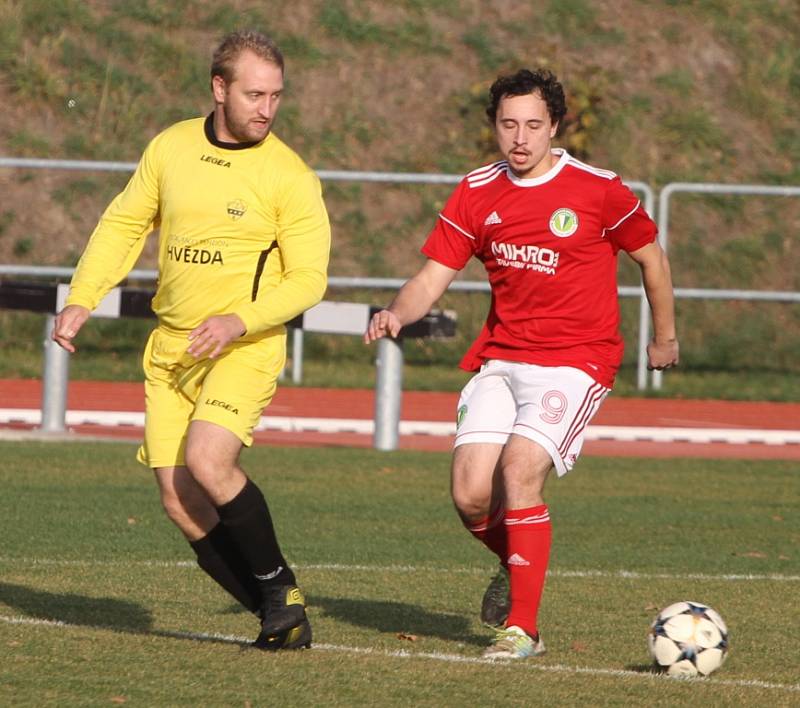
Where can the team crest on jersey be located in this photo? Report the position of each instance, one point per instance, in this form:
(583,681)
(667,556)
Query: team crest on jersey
(236,209)
(563,222)
(460,416)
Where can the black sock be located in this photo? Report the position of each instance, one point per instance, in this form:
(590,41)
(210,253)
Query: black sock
(247,519)
(218,556)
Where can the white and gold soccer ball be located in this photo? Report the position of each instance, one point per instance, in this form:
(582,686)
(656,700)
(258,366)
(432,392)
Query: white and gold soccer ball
(687,639)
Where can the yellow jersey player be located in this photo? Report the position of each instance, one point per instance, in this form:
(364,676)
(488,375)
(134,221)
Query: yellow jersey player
(244,241)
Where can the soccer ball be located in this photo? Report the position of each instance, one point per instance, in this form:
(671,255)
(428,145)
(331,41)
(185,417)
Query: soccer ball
(687,639)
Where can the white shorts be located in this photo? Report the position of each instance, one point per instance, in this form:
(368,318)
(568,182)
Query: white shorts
(551,405)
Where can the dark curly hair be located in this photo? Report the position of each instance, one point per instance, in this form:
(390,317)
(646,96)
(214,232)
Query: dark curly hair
(541,81)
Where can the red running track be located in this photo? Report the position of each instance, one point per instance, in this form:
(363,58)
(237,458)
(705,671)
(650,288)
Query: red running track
(435,406)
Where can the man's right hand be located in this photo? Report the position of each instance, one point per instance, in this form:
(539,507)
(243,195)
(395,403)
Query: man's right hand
(67,325)
(382,323)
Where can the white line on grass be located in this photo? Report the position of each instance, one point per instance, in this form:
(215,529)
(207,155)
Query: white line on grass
(432,656)
(555,573)
(476,570)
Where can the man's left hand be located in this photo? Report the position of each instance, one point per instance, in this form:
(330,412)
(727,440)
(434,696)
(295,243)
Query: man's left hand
(662,355)
(214,335)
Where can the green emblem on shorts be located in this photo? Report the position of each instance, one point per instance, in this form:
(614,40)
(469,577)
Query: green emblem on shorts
(462,411)
(563,222)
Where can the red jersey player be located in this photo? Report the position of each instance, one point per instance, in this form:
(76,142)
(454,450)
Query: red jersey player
(547,228)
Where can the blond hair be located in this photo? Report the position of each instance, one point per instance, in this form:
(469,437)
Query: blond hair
(233,44)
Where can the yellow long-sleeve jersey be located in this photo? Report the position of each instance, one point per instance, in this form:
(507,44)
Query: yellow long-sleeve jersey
(242,229)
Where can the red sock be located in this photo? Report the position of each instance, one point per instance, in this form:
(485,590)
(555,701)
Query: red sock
(491,532)
(529,536)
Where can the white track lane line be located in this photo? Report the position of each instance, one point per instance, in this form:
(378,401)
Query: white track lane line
(288,424)
(429,656)
(476,570)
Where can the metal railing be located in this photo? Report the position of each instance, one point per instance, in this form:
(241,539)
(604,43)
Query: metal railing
(715,188)
(326,317)
(381,177)
(643,188)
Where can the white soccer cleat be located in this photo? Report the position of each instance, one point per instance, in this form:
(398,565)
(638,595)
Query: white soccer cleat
(513,643)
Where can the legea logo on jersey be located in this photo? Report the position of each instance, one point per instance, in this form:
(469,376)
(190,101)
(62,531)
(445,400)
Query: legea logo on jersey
(215,160)
(563,222)
(236,209)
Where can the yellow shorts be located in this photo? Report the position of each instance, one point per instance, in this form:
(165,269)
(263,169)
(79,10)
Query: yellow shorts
(231,391)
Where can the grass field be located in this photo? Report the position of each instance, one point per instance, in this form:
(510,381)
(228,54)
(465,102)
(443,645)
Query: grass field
(101,603)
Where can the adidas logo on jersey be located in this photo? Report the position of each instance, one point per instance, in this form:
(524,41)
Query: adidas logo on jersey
(493,218)
(517,559)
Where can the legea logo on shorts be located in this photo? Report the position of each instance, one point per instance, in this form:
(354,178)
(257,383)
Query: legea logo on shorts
(563,222)
(222,404)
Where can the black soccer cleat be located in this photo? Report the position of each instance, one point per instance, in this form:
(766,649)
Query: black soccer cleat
(283,610)
(298,637)
(496,603)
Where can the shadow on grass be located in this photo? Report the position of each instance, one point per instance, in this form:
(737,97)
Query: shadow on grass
(126,616)
(97,613)
(100,612)
(392,617)
(644,668)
